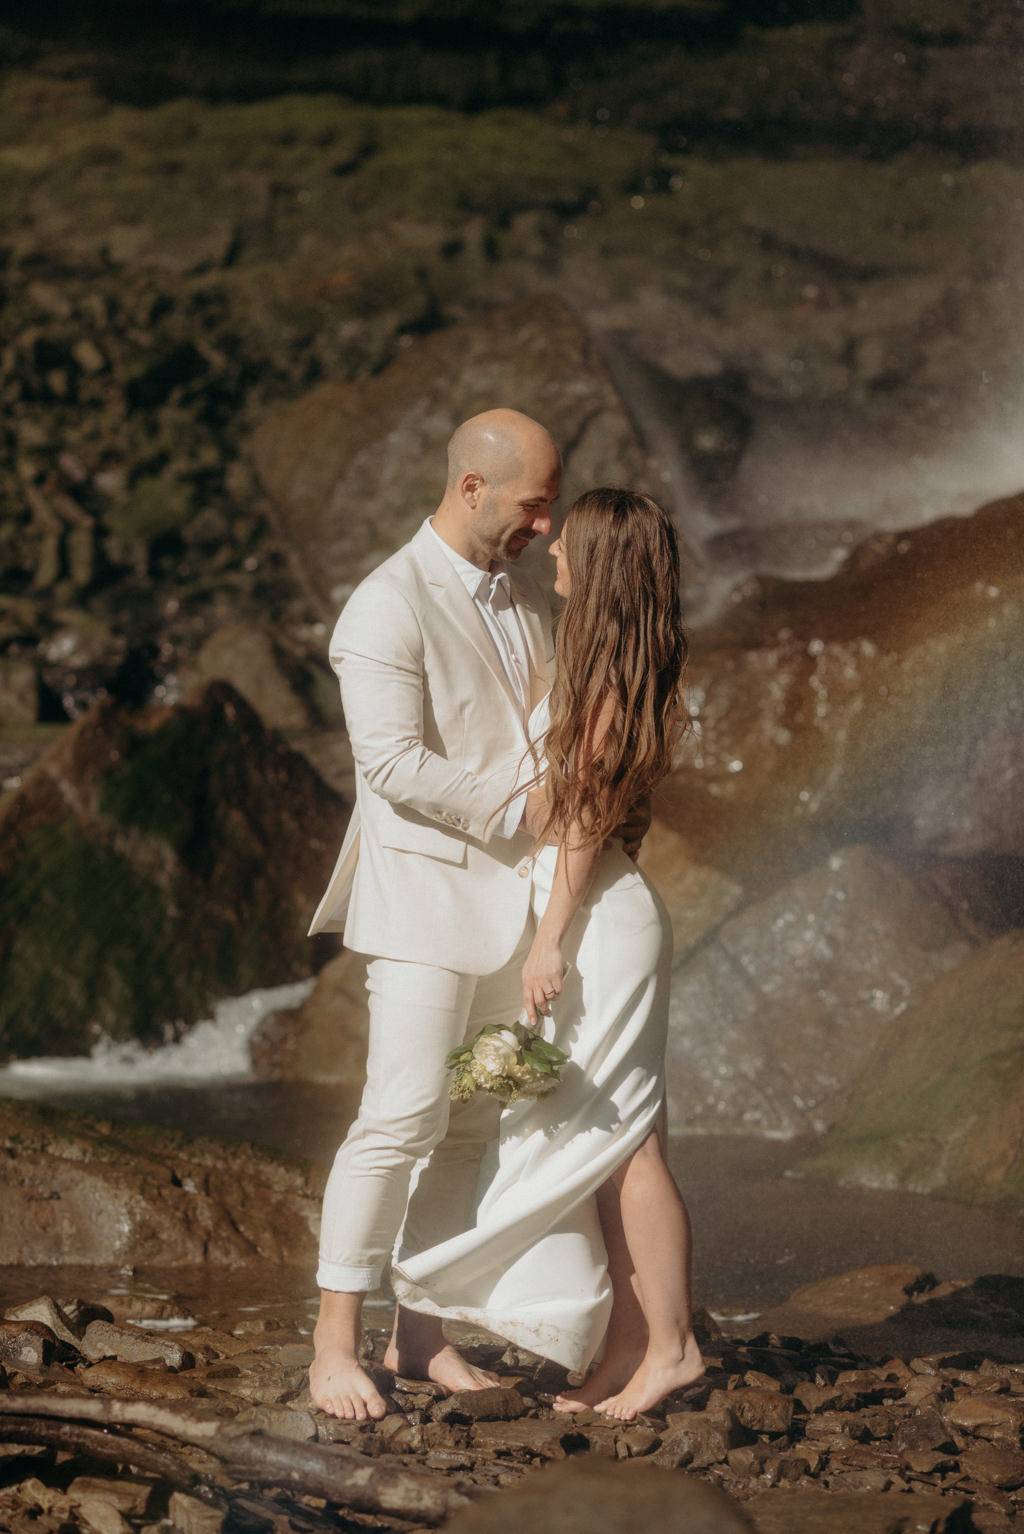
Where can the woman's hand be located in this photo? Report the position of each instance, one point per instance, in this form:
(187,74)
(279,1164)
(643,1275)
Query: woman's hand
(542,977)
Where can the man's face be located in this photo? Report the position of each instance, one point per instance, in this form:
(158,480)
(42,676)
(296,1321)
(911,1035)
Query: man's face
(509,516)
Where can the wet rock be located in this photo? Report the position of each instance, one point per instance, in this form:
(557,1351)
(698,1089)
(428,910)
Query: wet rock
(80,1190)
(775,1018)
(325,1038)
(200,829)
(994,1466)
(996,1418)
(862,1297)
(26,1344)
(139,1382)
(762,1411)
(705,1440)
(130,1345)
(124,1495)
(244,654)
(191,1516)
(883,703)
(66,1322)
(943,1082)
(926,1432)
(530,1438)
(353,469)
(604,1498)
(494,1404)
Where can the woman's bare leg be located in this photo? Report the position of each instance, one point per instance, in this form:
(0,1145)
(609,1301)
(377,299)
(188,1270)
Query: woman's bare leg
(656,1227)
(626,1338)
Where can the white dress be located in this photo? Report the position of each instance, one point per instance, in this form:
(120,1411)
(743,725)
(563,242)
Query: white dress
(533,1267)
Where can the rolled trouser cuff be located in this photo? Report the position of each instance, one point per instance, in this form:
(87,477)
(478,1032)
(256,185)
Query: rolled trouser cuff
(330,1275)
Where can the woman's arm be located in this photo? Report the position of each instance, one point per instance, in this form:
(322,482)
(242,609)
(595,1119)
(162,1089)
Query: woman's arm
(544,968)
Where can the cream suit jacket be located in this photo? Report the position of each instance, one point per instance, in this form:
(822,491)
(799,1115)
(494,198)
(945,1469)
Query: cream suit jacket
(439,745)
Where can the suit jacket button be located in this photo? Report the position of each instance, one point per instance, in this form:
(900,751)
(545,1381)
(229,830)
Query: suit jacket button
(523,871)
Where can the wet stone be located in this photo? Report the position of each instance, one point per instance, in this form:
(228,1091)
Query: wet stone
(26,1344)
(104,1340)
(494,1404)
(705,1440)
(995,1417)
(134,1380)
(51,1315)
(926,1431)
(763,1411)
(994,1466)
(541,1439)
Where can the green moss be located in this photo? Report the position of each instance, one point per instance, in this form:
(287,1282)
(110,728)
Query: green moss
(90,948)
(942,1111)
(433,163)
(155,789)
(152,507)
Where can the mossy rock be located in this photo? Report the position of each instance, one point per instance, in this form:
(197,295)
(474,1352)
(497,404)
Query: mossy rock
(151,864)
(941,1111)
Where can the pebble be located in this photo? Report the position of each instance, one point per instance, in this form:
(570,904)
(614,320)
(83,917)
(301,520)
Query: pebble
(792,1434)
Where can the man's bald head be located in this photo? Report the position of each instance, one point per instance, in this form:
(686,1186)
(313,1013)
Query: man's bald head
(504,472)
(495,445)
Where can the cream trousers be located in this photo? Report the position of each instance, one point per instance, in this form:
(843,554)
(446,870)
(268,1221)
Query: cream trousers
(418,1012)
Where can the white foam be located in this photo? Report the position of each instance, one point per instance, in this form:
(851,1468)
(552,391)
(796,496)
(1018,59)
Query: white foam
(217,1049)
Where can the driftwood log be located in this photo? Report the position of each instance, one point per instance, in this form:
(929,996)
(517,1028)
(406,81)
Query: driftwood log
(337,1474)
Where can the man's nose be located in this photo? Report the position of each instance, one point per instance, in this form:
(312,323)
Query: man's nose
(541,523)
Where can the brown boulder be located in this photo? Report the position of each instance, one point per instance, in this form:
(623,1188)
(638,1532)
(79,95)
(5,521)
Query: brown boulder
(862,1297)
(884,704)
(941,1108)
(325,1038)
(168,858)
(353,468)
(245,655)
(775,1018)
(81,1190)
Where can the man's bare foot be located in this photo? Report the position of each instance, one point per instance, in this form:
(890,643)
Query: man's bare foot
(611,1375)
(657,1377)
(419,1350)
(341,1387)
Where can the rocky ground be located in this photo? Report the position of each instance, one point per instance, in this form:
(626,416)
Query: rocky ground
(126,1411)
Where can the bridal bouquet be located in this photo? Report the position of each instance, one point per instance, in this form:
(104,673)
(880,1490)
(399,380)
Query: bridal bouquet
(508,1061)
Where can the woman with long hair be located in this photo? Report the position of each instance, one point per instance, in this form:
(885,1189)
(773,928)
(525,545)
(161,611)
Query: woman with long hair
(581,1243)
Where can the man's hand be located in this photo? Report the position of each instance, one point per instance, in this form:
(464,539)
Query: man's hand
(535,812)
(635,827)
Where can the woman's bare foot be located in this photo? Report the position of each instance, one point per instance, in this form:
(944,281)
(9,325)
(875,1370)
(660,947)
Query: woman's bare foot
(657,1377)
(419,1350)
(611,1375)
(340,1385)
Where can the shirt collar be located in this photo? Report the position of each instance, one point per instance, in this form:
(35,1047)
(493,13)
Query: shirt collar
(479,583)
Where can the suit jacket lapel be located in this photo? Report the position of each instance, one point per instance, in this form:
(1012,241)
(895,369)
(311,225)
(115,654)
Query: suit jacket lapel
(459,606)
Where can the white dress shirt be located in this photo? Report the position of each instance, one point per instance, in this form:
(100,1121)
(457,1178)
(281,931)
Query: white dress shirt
(491,591)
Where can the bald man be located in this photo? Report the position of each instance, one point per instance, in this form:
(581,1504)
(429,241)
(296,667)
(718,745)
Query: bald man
(442,654)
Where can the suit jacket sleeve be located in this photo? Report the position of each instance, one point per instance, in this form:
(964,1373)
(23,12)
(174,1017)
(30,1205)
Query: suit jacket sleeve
(378,652)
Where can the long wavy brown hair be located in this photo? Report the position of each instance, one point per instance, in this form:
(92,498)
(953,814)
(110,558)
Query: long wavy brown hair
(620,656)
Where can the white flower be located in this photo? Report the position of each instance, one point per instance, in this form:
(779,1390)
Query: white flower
(496,1053)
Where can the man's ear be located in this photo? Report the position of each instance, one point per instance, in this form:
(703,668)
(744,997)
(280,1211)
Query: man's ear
(471,487)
